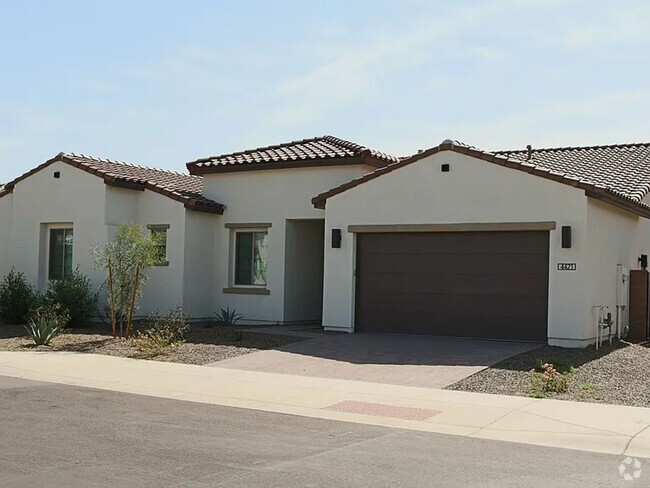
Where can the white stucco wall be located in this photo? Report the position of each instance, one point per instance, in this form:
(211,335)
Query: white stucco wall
(200,254)
(5,230)
(268,196)
(474,191)
(165,287)
(77,198)
(616,237)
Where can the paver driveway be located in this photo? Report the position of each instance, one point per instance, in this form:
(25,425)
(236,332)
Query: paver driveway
(430,362)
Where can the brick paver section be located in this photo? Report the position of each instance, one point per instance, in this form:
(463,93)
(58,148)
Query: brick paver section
(381,410)
(429,362)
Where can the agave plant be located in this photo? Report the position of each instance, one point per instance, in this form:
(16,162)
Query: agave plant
(227,317)
(45,324)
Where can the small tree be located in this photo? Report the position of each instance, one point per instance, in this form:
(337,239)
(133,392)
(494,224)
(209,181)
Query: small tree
(131,252)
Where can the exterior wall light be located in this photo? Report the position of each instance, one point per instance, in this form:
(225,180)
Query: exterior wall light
(336,238)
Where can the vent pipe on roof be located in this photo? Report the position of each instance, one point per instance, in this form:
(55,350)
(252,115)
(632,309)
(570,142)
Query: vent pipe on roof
(530,152)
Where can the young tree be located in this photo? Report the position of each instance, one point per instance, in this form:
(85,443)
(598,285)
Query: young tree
(125,260)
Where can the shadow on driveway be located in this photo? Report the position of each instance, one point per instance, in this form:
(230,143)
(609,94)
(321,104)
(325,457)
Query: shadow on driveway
(432,362)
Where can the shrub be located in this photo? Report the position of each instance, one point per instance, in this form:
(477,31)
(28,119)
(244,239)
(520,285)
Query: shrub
(548,381)
(17,298)
(74,295)
(162,332)
(46,323)
(228,318)
(560,364)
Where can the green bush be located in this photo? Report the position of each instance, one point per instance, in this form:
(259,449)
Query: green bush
(161,332)
(17,298)
(75,296)
(45,324)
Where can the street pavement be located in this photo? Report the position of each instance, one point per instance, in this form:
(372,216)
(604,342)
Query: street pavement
(55,435)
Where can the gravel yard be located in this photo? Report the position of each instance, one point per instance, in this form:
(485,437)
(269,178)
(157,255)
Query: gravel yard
(617,374)
(202,345)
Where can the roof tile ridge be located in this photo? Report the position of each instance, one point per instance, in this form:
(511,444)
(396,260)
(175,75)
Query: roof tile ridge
(576,148)
(77,156)
(257,149)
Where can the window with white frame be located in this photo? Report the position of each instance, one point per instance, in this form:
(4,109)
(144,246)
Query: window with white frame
(60,254)
(251,257)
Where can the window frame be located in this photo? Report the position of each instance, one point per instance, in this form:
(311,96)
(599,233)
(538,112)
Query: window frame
(50,231)
(235,253)
(162,228)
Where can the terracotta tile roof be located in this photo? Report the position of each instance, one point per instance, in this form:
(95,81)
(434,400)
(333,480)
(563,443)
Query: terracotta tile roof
(317,151)
(618,174)
(621,168)
(184,188)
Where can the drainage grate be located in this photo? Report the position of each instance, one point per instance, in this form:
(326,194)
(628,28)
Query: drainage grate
(381,410)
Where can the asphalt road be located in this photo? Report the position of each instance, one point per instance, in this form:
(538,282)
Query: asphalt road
(60,436)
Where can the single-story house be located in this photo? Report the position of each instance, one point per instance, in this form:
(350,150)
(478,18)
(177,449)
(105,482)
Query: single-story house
(455,241)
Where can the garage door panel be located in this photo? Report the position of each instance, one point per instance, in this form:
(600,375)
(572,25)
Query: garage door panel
(518,264)
(487,285)
(449,242)
(478,325)
(445,283)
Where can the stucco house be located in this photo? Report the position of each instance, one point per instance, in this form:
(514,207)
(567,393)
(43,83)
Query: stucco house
(240,229)
(514,245)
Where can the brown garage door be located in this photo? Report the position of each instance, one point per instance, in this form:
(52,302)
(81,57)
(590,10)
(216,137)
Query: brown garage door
(462,284)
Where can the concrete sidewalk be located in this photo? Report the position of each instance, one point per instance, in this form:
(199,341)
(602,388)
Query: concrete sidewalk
(589,427)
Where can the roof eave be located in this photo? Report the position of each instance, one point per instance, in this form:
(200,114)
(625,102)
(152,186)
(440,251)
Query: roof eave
(620,202)
(118,182)
(200,169)
(197,206)
(319,201)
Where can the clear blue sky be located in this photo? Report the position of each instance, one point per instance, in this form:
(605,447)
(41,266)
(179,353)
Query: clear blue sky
(160,83)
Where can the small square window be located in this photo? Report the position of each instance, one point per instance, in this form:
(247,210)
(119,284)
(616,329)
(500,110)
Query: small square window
(251,256)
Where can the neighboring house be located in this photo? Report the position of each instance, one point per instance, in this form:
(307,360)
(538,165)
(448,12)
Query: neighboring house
(240,231)
(452,241)
(461,242)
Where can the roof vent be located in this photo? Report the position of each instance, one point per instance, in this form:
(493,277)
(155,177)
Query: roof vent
(530,152)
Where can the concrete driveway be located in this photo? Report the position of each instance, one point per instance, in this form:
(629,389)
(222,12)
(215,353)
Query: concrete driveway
(429,362)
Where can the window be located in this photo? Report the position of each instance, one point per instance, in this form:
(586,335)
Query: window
(159,235)
(250,258)
(60,262)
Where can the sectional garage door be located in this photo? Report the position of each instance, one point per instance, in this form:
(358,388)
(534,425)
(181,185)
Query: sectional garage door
(462,284)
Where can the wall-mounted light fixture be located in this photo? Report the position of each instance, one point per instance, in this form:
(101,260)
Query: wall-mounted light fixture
(336,238)
(566,237)
(643,261)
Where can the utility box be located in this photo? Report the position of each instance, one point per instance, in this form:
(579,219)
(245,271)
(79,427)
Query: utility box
(622,286)
(639,306)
